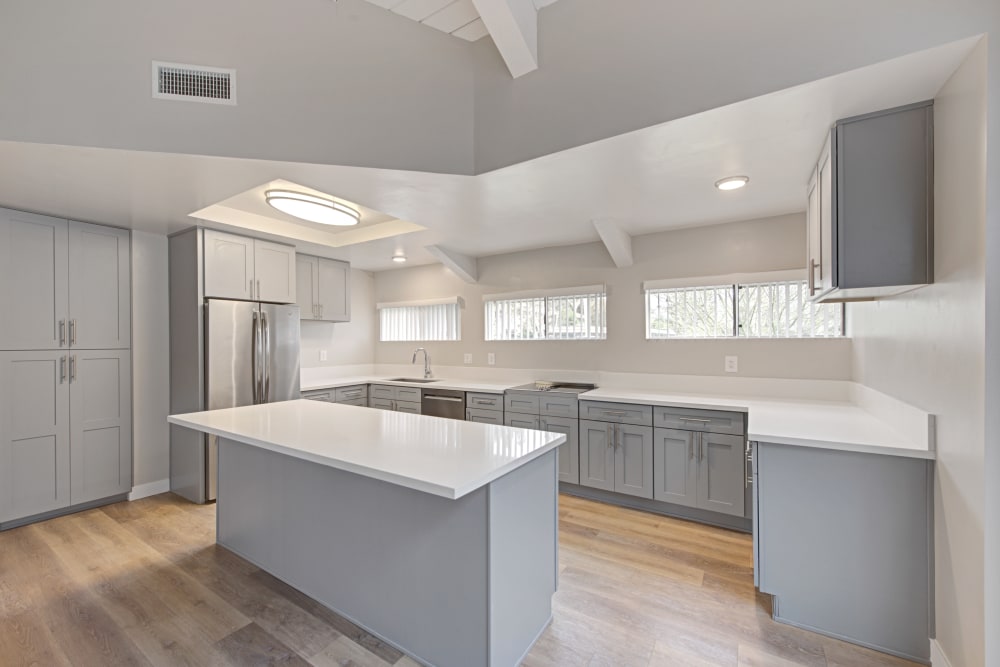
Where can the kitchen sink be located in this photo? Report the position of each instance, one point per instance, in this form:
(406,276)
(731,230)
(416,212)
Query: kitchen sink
(418,380)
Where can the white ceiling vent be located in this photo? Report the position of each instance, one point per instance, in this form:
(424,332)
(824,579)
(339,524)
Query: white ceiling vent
(214,85)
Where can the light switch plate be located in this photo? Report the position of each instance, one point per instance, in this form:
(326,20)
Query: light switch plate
(732,365)
(322,355)
(491,359)
(468,358)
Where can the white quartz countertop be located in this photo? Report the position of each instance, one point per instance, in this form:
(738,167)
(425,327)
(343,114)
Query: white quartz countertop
(837,425)
(444,457)
(439,383)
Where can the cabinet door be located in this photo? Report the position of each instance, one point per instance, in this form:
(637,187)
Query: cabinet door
(634,460)
(383,391)
(274,272)
(813,239)
(675,466)
(334,290)
(722,473)
(34,433)
(824,170)
(228,266)
(306,290)
(100,425)
(597,454)
(484,416)
(408,407)
(382,403)
(324,396)
(520,421)
(99,287)
(33,296)
(569,451)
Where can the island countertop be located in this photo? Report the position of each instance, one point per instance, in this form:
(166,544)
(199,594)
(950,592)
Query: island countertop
(443,457)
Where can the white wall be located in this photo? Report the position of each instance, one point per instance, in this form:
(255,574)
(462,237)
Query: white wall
(759,245)
(349,343)
(150,359)
(928,347)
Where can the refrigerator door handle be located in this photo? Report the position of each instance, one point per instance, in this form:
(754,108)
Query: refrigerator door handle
(266,365)
(254,359)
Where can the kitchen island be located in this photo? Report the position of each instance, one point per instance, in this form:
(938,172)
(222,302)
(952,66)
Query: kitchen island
(438,536)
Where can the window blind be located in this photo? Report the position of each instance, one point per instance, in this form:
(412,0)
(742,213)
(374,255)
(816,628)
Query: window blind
(564,314)
(420,322)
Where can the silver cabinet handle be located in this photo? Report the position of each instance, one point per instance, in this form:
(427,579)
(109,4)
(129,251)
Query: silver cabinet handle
(251,290)
(354,393)
(258,290)
(608,413)
(62,369)
(611,437)
(812,276)
(72,331)
(691,447)
(695,419)
(72,368)
(544,425)
(62,332)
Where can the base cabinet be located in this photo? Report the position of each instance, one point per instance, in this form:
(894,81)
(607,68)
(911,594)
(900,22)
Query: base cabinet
(617,457)
(703,470)
(675,478)
(569,451)
(597,456)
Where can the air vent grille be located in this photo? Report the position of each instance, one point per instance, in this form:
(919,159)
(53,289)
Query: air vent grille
(192,82)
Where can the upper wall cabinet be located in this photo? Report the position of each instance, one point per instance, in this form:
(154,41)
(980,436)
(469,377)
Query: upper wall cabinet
(238,267)
(870,207)
(64,284)
(324,289)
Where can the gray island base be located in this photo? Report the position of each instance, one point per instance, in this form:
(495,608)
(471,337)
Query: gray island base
(451,582)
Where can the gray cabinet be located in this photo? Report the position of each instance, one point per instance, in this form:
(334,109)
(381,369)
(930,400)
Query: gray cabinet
(484,416)
(323,289)
(597,455)
(395,398)
(481,401)
(100,424)
(703,470)
(633,451)
(34,261)
(519,420)
(99,287)
(354,392)
(675,475)
(569,451)
(323,395)
(242,268)
(34,433)
(870,206)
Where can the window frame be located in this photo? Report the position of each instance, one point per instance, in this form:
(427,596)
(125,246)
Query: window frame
(545,297)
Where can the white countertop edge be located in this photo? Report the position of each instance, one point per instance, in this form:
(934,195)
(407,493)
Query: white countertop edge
(451,493)
(444,383)
(623,396)
(901,452)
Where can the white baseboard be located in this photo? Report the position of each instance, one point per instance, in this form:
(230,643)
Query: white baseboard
(938,658)
(149,489)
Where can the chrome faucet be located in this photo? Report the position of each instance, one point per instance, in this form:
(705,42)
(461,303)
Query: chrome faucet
(427,362)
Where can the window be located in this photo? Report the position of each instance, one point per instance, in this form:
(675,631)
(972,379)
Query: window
(570,314)
(745,308)
(416,321)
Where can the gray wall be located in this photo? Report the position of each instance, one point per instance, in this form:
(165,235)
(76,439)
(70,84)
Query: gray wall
(317,81)
(346,343)
(928,348)
(150,359)
(611,67)
(758,245)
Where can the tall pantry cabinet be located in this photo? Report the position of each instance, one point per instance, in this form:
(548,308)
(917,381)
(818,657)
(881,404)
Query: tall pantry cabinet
(65,366)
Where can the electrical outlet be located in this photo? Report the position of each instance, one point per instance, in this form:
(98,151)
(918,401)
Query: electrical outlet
(468,358)
(322,355)
(732,365)
(491,359)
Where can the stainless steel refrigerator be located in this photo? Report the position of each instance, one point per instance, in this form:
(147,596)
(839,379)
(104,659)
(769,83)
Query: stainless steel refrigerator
(251,357)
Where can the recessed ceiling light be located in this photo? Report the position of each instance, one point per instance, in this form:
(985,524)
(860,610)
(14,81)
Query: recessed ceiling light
(399,258)
(732,182)
(312,208)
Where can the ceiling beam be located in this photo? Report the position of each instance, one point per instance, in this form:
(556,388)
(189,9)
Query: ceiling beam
(616,240)
(463,266)
(513,25)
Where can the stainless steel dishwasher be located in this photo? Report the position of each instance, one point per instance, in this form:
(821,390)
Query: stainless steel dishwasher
(443,403)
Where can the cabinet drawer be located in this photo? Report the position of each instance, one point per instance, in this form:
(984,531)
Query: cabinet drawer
(484,401)
(351,393)
(711,421)
(523,403)
(484,416)
(408,407)
(381,403)
(359,402)
(621,413)
(383,391)
(558,406)
(325,395)
(411,394)
(520,421)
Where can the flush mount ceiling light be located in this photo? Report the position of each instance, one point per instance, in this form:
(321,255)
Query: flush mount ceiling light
(399,258)
(732,182)
(312,208)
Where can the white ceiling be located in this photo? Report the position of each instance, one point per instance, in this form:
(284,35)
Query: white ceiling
(649,180)
(455,17)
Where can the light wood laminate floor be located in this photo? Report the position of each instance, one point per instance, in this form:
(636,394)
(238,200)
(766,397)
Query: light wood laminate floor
(144,583)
